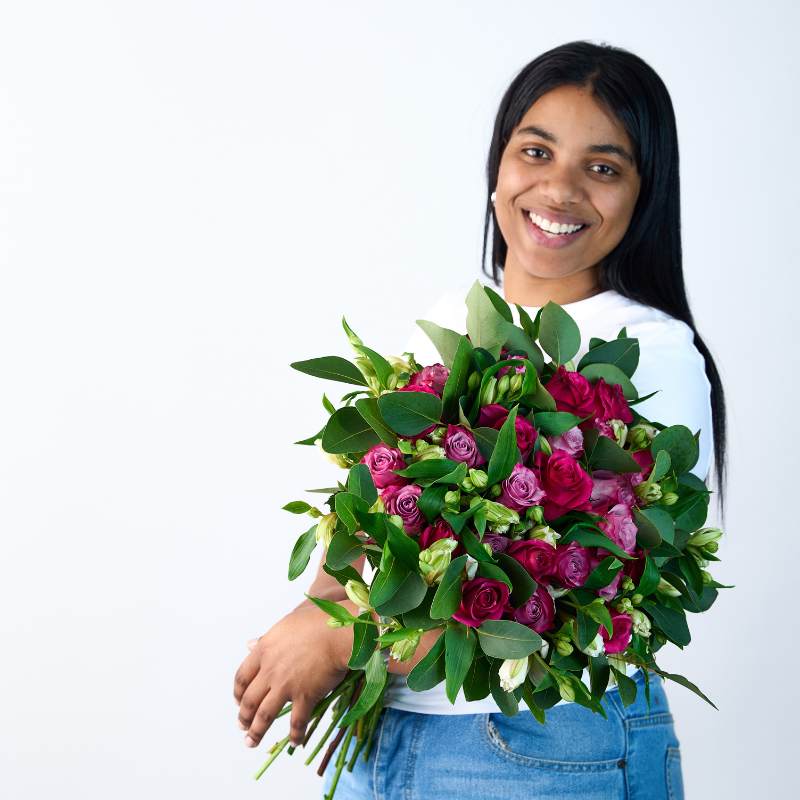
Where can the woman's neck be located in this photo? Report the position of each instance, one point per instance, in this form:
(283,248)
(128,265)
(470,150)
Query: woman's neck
(530,290)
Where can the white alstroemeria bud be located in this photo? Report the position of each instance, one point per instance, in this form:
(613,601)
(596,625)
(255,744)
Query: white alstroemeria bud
(704,536)
(665,587)
(545,533)
(565,688)
(669,498)
(332,622)
(334,458)
(627,584)
(620,430)
(472,567)
(563,647)
(358,592)
(624,605)
(434,560)
(426,451)
(641,623)
(595,647)
(325,529)
(399,364)
(437,434)
(489,392)
(513,672)
(498,514)
(544,446)
(641,435)
(404,649)
(377,507)
(516,383)
(478,477)
(648,492)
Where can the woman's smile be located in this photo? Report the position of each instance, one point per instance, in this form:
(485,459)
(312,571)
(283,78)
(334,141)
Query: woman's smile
(567,235)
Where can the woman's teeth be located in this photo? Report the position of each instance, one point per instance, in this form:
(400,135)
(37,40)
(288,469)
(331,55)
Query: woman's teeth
(553,228)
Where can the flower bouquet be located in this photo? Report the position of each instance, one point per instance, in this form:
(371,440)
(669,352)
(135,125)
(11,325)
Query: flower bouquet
(519,505)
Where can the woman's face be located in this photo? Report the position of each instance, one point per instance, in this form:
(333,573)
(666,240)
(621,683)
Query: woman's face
(575,167)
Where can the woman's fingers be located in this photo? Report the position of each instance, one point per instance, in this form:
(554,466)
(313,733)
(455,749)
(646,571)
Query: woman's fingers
(252,700)
(264,716)
(245,674)
(301,714)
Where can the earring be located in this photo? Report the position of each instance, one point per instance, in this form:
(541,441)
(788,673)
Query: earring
(494,196)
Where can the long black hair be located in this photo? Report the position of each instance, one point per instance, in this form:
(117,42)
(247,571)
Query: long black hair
(647,263)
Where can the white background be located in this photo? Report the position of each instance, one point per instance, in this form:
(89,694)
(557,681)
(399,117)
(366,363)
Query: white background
(191,197)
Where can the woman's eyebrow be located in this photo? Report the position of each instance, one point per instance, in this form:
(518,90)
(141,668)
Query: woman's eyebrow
(617,149)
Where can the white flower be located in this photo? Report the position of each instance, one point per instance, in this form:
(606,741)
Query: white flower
(512,673)
(595,647)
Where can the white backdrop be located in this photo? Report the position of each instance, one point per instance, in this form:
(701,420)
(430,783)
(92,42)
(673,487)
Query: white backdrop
(192,194)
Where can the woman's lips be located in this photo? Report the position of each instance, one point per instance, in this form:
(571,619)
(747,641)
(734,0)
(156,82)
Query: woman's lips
(548,240)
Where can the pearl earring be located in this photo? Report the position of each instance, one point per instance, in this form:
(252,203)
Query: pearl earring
(494,196)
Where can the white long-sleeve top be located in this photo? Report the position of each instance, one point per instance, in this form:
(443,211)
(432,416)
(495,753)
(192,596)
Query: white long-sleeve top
(668,361)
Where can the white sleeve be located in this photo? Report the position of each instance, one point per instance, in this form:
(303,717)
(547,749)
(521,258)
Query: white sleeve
(672,364)
(448,311)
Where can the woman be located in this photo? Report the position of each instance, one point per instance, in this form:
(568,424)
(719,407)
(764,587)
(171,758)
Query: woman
(584,196)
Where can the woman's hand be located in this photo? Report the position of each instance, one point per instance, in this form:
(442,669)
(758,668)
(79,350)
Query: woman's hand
(300,659)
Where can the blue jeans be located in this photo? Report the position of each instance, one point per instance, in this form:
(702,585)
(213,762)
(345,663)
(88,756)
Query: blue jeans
(633,754)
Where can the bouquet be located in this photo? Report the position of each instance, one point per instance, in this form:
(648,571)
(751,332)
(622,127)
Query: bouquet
(519,505)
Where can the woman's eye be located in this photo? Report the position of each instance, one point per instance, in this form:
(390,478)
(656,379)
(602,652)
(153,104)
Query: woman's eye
(528,149)
(611,170)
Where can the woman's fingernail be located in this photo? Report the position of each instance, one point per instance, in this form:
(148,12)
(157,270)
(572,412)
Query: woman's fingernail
(249,741)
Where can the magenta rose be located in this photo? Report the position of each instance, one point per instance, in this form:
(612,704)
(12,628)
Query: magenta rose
(572,565)
(644,458)
(497,541)
(567,485)
(459,445)
(402,500)
(418,388)
(439,530)
(494,415)
(433,377)
(536,555)
(618,524)
(610,402)
(620,639)
(382,460)
(571,441)
(538,611)
(571,391)
(521,489)
(481,598)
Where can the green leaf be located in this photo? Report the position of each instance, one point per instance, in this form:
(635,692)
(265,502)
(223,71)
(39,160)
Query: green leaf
(611,375)
(431,502)
(661,466)
(403,547)
(476,684)
(475,548)
(375,675)
(456,384)
(460,645)
(627,687)
(506,452)
(523,584)
(554,423)
(397,589)
(485,325)
(420,617)
(654,526)
(499,303)
(559,335)
(360,483)
(332,368)
(519,341)
(301,553)
(587,628)
(599,674)
(650,578)
(622,353)
(589,538)
(343,549)
(347,507)
(603,573)
(681,445)
(383,369)
(368,408)
(530,700)
(603,452)
(599,613)
(333,609)
(687,683)
(297,507)
(444,340)
(409,413)
(507,701)
(364,639)
(348,432)
(430,670)
(448,595)
(672,623)
(505,638)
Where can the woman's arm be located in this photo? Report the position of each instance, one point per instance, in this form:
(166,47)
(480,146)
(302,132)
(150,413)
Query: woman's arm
(326,586)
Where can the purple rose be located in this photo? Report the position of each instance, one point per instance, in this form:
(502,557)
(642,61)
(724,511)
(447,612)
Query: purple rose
(572,565)
(459,445)
(382,460)
(481,598)
(538,611)
(496,541)
(620,527)
(571,441)
(402,500)
(521,489)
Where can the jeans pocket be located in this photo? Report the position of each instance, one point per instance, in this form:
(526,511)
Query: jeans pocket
(674,774)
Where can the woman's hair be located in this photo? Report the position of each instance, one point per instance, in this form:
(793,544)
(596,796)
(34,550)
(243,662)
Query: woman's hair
(646,265)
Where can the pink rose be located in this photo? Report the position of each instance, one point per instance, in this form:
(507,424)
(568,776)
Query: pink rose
(382,460)
(497,541)
(538,611)
(536,555)
(521,489)
(433,377)
(567,485)
(402,500)
(620,639)
(571,391)
(494,415)
(571,441)
(610,488)
(459,445)
(572,565)
(481,598)
(610,402)
(418,388)
(618,524)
